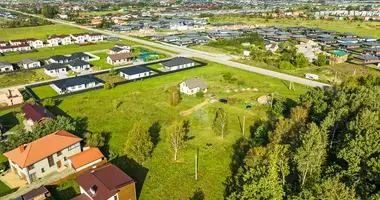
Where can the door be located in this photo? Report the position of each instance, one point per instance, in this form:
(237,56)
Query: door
(59,164)
(32,177)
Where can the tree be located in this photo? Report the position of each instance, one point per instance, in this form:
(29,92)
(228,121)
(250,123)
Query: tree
(333,189)
(139,145)
(286,65)
(300,61)
(321,59)
(49,103)
(220,124)
(177,137)
(50,11)
(174,96)
(95,139)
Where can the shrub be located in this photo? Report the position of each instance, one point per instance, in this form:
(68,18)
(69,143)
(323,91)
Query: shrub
(49,102)
(109,85)
(286,65)
(200,94)
(112,72)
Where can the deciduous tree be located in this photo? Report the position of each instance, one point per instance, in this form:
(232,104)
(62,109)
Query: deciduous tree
(139,145)
(220,124)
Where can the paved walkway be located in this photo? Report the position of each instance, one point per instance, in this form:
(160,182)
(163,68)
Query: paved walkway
(196,107)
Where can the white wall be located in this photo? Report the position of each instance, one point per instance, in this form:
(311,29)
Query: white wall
(135,76)
(88,165)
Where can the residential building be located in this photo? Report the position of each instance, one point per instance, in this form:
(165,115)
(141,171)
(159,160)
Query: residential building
(59,40)
(43,156)
(119,59)
(39,193)
(55,69)
(89,157)
(11,97)
(78,65)
(366,59)
(35,43)
(3,43)
(35,113)
(338,57)
(124,46)
(6,67)
(80,56)
(367,39)
(29,63)
(95,37)
(17,42)
(75,84)
(117,50)
(79,38)
(192,86)
(178,63)
(130,73)
(309,49)
(59,59)
(372,51)
(271,47)
(345,46)
(106,182)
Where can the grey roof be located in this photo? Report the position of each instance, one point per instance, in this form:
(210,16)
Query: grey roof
(65,83)
(5,64)
(78,63)
(116,49)
(325,36)
(135,70)
(195,83)
(79,55)
(349,44)
(177,61)
(29,60)
(367,57)
(53,66)
(59,57)
(298,36)
(367,37)
(373,49)
(372,44)
(35,192)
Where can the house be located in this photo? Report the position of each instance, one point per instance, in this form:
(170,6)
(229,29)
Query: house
(95,37)
(106,182)
(171,39)
(54,69)
(338,57)
(367,39)
(370,44)
(43,156)
(135,72)
(271,47)
(124,46)
(349,46)
(122,58)
(79,38)
(6,67)
(28,63)
(59,40)
(11,97)
(17,42)
(86,159)
(3,43)
(366,59)
(59,59)
(298,37)
(178,63)
(80,56)
(78,65)
(347,40)
(117,50)
(35,113)
(35,43)
(372,51)
(192,86)
(75,84)
(309,50)
(39,193)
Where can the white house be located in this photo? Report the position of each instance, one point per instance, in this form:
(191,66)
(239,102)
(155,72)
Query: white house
(178,63)
(59,59)
(135,72)
(78,65)
(3,44)
(48,154)
(6,67)
(117,50)
(35,43)
(121,58)
(95,37)
(79,38)
(75,84)
(28,63)
(59,40)
(54,69)
(192,86)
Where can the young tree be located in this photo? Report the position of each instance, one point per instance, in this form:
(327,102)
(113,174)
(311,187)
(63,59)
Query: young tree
(49,103)
(95,139)
(220,124)
(177,137)
(321,60)
(139,145)
(174,96)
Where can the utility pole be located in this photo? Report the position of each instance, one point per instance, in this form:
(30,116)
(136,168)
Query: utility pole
(196,165)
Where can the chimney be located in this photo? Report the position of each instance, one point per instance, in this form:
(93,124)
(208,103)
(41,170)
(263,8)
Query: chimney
(22,148)
(93,189)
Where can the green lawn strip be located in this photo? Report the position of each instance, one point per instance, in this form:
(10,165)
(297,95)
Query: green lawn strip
(23,77)
(115,111)
(107,78)
(4,189)
(66,190)
(102,62)
(10,121)
(38,32)
(44,91)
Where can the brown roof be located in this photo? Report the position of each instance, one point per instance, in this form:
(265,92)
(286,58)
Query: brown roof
(121,56)
(85,157)
(36,112)
(36,192)
(106,180)
(195,83)
(82,196)
(59,36)
(39,149)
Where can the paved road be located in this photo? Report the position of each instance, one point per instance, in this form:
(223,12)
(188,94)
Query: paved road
(218,58)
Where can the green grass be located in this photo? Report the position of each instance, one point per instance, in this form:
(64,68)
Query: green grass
(155,66)
(10,121)
(44,91)
(115,111)
(23,77)
(102,62)
(39,32)
(360,28)
(107,78)
(66,190)
(4,189)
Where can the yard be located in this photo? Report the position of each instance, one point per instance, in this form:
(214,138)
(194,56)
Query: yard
(115,111)
(4,189)
(110,78)
(11,121)
(44,91)
(102,63)
(23,77)
(65,190)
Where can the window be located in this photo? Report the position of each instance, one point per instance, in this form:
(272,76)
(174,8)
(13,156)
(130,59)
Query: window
(59,153)
(51,161)
(115,197)
(42,170)
(30,167)
(64,158)
(73,146)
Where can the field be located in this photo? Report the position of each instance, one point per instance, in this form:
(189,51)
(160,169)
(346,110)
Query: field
(102,63)
(115,111)
(44,91)
(38,32)
(23,77)
(360,28)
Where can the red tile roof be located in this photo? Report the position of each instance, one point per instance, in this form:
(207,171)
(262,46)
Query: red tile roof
(86,157)
(36,112)
(37,150)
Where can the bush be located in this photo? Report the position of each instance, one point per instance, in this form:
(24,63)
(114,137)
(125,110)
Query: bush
(200,94)
(109,85)
(49,102)
(321,60)
(286,65)
(112,72)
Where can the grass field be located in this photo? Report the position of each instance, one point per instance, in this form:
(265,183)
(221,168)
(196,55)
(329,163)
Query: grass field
(360,28)
(44,91)
(10,121)
(102,63)
(23,77)
(115,111)
(107,78)
(4,189)
(38,32)
(65,190)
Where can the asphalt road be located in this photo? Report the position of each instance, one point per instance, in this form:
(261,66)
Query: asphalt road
(218,58)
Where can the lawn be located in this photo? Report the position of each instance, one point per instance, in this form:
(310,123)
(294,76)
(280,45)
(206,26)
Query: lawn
(65,190)
(360,28)
(10,120)
(44,91)
(115,111)
(102,63)
(107,78)
(23,77)
(4,189)
(38,32)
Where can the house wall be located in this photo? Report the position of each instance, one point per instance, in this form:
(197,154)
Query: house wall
(128,192)
(79,68)
(21,172)
(6,69)
(135,76)
(88,165)
(179,66)
(32,65)
(50,72)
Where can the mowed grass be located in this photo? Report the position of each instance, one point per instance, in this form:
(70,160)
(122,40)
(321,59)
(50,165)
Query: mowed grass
(38,32)
(116,111)
(4,189)
(23,77)
(65,190)
(366,28)
(102,62)
(44,91)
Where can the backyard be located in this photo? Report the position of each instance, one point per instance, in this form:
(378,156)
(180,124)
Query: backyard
(44,91)
(23,77)
(115,111)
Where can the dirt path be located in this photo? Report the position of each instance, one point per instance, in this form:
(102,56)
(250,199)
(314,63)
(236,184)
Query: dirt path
(196,107)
